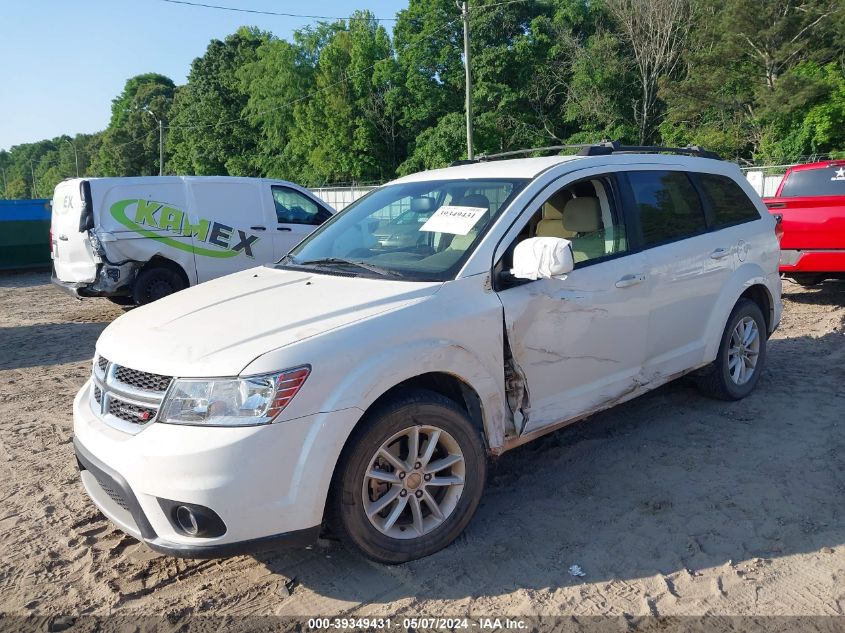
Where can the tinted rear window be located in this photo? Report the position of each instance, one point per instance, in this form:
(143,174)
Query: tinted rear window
(827,181)
(730,203)
(668,205)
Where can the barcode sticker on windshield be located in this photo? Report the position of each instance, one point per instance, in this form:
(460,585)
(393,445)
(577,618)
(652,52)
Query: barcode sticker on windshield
(454,220)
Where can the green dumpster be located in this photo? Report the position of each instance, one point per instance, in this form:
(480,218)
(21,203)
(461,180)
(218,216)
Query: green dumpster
(24,234)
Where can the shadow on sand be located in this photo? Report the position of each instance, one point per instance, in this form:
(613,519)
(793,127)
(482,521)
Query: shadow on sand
(671,481)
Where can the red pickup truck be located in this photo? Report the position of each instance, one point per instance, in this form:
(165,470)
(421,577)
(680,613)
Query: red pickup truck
(811,200)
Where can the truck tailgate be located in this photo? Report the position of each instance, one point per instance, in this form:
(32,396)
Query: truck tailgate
(811,223)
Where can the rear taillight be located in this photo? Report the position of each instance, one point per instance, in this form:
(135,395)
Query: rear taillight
(778,226)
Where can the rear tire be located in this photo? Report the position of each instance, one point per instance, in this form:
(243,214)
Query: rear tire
(397,502)
(156,283)
(742,355)
(808,280)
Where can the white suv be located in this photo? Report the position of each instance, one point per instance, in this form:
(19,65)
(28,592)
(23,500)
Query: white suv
(360,384)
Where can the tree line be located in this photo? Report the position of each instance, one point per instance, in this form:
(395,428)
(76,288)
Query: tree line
(759,81)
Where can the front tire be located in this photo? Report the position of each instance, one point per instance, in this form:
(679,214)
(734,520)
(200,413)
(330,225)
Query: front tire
(409,479)
(156,283)
(742,355)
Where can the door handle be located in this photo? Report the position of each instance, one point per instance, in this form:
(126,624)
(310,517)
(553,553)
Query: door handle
(720,253)
(630,280)
(258,228)
(63,238)
(283,228)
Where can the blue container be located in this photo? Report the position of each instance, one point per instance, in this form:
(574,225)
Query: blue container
(24,234)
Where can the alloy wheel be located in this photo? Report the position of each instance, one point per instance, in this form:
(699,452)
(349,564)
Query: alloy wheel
(744,350)
(413,482)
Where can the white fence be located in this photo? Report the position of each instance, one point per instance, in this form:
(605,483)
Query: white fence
(340,197)
(765,181)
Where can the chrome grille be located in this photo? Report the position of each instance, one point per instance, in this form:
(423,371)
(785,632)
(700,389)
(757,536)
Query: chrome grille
(130,412)
(126,398)
(141,379)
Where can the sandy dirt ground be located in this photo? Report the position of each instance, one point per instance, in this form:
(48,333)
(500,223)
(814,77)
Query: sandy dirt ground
(671,504)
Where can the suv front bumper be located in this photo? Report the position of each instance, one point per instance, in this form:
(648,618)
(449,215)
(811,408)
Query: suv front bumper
(268,484)
(114,497)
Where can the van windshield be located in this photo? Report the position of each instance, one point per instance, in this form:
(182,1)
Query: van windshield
(420,231)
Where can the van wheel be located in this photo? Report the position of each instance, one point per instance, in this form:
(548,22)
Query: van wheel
(122,301)
(154,283)
(742,355)
(409,479)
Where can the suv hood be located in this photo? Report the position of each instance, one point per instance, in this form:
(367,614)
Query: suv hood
(217,328)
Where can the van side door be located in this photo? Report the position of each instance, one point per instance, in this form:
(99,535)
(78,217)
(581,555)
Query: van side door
(229,227)
(576,342)
(296,216)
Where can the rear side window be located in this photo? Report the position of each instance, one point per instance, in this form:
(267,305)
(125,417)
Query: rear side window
(293,207)
(829,181)
(667,204)
(730,203)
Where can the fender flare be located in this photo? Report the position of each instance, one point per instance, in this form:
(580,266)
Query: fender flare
(430,356)
(743,278)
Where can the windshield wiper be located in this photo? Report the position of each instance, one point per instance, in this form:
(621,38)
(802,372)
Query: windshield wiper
(329,261)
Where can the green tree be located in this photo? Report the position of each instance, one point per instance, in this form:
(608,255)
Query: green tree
(276,82)
(326,104)
(130,144)
(428,42)
(740,85)
(344,131)
(211,132)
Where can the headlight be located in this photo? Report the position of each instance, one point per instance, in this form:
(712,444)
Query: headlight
(232,401)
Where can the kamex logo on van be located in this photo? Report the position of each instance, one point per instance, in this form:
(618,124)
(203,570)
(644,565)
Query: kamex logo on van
(150,218)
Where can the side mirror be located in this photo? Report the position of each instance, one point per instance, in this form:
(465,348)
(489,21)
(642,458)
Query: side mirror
(542,258)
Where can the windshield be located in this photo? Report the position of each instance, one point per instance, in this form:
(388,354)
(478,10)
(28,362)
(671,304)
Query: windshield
(420,231)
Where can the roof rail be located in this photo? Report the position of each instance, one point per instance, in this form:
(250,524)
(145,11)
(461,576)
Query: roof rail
(530,150)
(614,147)
(603,148)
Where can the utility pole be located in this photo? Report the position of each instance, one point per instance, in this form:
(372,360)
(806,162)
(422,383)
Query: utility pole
(160,142)
(75,155)
(34,191)
(160,148)
(465,16)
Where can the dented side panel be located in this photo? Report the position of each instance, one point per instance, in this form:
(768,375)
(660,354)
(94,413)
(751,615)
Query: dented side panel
(456,330)
(578,343)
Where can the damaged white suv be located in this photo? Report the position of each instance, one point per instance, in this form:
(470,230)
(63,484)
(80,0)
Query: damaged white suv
(361,383)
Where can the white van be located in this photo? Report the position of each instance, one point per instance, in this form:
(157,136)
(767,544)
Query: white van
(135,240)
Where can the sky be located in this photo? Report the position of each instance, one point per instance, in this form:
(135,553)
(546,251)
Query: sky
(65,60)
